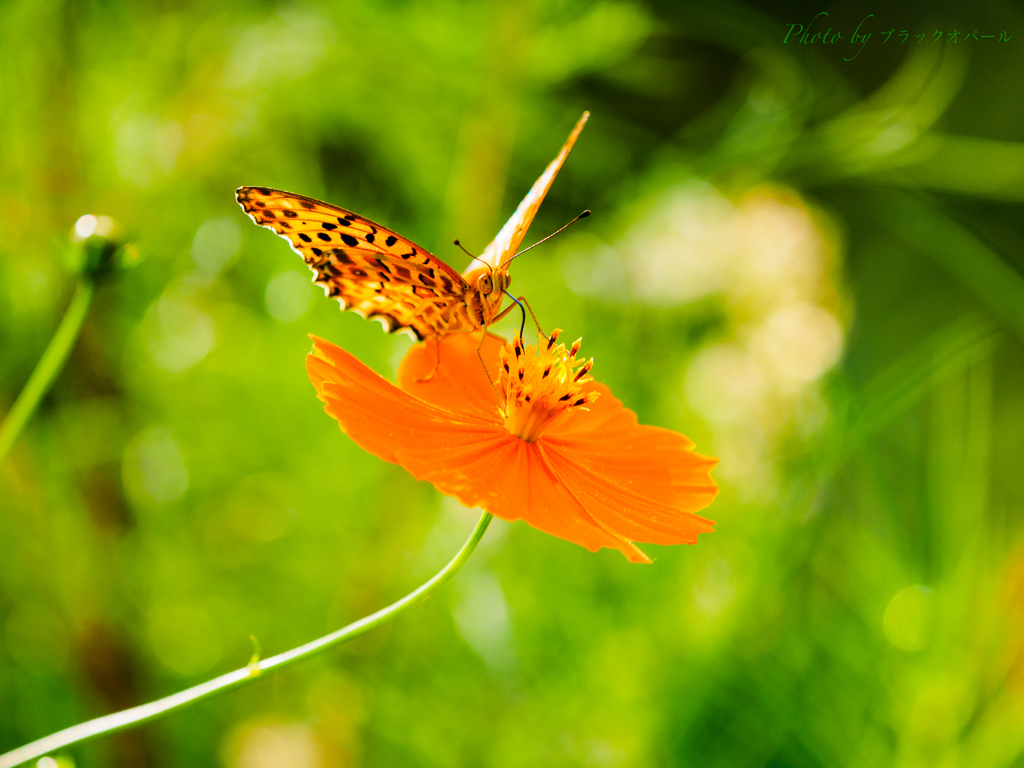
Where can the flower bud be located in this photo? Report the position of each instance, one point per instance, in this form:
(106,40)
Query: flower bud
(99,247)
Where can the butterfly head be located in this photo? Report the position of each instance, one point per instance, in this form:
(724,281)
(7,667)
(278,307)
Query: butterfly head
(487,281)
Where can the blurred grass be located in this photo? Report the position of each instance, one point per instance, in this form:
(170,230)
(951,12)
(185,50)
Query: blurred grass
(811,267)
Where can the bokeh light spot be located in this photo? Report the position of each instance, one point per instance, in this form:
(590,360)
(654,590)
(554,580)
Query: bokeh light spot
(289,296)
(713,592)
(153,468)
(216,245)
(178,333)
(145,148)
(184,637)
(481,616)
(591,267)
(908,618)
(685,248)
(89,225)
(800,342)
(61,761)
(725,384)
(271,744)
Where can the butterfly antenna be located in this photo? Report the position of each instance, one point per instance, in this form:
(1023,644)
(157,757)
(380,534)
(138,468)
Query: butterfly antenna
(557,231)
(460,245)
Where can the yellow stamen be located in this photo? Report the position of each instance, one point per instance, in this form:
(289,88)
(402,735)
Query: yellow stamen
(548,380)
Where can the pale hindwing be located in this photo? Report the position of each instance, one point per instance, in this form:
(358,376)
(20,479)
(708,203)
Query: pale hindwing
(508,240)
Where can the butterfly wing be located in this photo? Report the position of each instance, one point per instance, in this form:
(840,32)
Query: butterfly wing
(368,268)
(508,240)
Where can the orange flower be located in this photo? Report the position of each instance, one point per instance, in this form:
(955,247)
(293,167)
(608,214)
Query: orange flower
(554,448)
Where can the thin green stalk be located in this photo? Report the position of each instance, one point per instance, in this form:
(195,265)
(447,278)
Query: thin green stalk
(128,718)
(48,367)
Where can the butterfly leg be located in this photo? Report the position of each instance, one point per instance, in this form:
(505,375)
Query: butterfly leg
(437,361)
(480,346)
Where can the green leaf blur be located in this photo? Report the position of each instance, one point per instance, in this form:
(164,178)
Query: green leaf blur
(811,266)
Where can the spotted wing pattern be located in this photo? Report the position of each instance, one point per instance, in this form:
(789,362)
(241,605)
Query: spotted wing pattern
(368,268)
(508,240)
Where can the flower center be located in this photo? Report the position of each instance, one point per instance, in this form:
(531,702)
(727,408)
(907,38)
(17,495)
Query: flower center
(539,383)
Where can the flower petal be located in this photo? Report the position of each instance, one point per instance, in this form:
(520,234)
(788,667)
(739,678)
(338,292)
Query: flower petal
(653,462)
(463,454)
(515,482)
(622,511)
(639,482)
(459,381)
(390,423)
(596,477)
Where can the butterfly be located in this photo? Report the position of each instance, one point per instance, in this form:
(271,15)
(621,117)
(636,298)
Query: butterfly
(381,275)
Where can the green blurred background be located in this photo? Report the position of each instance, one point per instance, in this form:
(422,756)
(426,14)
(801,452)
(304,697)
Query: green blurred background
(811,266)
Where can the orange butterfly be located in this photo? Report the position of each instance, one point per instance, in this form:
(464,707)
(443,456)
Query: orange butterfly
(380,274)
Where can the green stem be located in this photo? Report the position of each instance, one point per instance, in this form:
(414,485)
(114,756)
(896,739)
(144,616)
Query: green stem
(129,718)
(47,369)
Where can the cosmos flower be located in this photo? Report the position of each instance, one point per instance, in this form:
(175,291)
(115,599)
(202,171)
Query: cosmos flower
(534,438)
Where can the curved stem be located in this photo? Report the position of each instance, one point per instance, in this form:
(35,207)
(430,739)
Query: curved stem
(47,368)
(129,718)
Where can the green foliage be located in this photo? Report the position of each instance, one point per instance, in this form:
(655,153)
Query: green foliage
(810,266)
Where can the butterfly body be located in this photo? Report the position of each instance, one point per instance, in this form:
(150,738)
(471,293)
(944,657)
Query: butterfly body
(483,301)
(381,275)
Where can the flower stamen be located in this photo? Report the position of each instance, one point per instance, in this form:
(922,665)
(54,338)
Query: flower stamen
(548,382)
